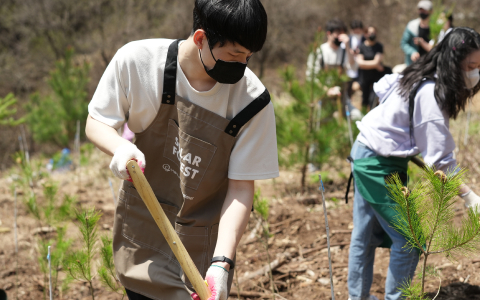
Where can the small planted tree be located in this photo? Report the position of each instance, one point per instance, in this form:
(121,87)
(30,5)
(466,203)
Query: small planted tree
(7,110)
(53,117)
(307,131)
(261,213)
(51,213)
(425,217)
(80,263)
(107,268)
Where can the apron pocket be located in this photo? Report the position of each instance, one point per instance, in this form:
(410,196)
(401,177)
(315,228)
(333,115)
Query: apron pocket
(190,156)
(140,227)
(196,241)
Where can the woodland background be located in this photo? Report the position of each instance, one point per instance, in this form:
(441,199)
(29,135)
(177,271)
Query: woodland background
(35,33)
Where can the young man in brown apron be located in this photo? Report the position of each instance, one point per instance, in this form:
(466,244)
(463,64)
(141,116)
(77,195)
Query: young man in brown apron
(205,130)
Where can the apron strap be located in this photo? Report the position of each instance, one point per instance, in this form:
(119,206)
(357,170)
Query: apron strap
(350,179)
(170,74)
(247,113)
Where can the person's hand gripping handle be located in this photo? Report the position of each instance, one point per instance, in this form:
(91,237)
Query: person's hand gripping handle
(121,156)
(216,279)
(146,193)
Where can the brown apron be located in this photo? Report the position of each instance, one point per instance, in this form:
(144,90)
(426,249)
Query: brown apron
(188,151)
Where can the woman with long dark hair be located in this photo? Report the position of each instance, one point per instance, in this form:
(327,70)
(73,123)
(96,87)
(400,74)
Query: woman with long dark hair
(412,118)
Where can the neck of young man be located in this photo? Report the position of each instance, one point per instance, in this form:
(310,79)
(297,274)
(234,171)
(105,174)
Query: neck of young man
(192,66)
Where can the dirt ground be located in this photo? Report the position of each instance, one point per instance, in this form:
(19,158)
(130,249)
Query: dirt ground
(297,247)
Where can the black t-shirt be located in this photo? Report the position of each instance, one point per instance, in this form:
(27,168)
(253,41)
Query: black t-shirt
(369,53)
(424,33)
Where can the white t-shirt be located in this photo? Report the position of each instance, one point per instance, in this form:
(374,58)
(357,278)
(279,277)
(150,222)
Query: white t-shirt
(330,57)
(355,42)
(133,83)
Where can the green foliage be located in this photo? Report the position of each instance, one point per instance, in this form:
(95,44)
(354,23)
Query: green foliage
(438,18)
(7,109)
(86,151)
(79,263)
(28,173)
(107,267)
(53,118)
(260,205)
(307,132)
(261,213)
(413,290)
(59,247)
(50,212)
(425,217)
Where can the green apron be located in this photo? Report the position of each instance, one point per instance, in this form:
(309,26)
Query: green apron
(370,176)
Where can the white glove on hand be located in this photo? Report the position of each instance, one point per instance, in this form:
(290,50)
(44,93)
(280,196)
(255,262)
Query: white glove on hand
(121,156)
(472,200)
(216,278)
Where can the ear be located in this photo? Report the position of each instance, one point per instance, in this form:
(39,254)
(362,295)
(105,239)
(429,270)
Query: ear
(199,37)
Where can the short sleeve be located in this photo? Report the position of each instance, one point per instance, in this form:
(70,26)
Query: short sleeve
(255,156)
(380,48)
(109,103)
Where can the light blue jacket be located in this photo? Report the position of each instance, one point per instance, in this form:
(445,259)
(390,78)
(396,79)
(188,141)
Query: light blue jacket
(407,44)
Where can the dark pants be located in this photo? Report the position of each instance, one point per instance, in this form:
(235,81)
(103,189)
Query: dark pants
(134,296)
(367,93)
(349,87)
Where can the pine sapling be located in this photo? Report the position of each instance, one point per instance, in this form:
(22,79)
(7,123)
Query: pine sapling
(261,212)
(322,190)
(301,140)
(80,263)
(425,217)
(7,110)
(107,268)
(50,213)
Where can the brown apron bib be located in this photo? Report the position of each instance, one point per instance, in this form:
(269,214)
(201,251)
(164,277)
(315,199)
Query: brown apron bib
(188,151)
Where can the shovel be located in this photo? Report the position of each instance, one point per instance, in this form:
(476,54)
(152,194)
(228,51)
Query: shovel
(186,262)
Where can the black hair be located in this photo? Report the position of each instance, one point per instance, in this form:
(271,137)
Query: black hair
(356,24)
(445,61)
(238,21)
(335,25)
(450,18)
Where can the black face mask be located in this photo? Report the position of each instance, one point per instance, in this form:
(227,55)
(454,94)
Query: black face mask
(337,42)
(424,16)
(372,37)
(225,72)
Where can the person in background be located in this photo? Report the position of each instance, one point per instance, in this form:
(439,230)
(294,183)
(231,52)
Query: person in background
(447,27)
(416,40)
(357,37)
(412,118)
(335,53)
(369,60)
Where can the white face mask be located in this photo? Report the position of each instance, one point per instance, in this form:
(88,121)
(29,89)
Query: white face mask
(471,78)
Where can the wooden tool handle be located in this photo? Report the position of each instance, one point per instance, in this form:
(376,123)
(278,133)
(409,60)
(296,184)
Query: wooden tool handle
(146,192)
(418,161)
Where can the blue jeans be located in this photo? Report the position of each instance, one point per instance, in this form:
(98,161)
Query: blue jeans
(369,227)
